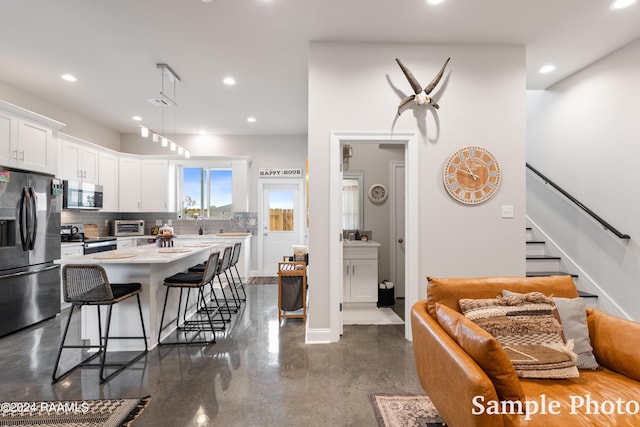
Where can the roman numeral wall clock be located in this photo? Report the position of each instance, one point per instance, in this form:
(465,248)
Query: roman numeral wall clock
(472,175)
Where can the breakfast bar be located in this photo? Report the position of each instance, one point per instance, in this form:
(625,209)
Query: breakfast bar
(148,265)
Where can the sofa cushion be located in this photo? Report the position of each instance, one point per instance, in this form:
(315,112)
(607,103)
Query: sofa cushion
(484,349)
(600,397)
(616,342)
(573,317)
(449,291)
(528,328)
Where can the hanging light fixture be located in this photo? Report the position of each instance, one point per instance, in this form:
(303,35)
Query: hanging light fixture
(163,101)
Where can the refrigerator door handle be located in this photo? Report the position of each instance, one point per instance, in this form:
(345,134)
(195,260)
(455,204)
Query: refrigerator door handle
(24,273)
(34,218)
(23,219)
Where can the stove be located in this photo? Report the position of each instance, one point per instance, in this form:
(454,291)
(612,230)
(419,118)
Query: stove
(92,246)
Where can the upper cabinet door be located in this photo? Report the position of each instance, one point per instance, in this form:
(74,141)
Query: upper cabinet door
(8,138)
(155,186)
(129,184)
(79,162)
(108,178)
(36,147)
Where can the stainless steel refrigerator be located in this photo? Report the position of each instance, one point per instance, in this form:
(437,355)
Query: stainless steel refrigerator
(29,243)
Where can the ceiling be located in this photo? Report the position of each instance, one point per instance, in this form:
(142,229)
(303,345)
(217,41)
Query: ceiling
(112,47)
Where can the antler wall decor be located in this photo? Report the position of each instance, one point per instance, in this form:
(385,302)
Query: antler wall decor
(421,96)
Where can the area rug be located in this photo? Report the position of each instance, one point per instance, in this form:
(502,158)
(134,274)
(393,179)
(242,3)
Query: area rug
(73,413)
(370,316)
(262,280)
(406,410)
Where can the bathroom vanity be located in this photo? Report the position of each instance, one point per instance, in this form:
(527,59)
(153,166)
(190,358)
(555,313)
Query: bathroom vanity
(360,271)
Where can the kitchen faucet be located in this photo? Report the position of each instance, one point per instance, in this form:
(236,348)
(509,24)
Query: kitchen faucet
(200,223)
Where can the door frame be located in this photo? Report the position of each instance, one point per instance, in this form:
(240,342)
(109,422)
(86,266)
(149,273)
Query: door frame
(410,141)
(299,219)
(393,165)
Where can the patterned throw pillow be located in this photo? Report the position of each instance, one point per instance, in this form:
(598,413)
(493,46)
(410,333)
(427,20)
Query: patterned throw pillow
(573,317)
(528,328)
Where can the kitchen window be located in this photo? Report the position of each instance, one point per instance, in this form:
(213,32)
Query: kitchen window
(206,192)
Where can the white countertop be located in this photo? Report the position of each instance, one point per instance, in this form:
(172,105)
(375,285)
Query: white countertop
(360,243)
(148,254)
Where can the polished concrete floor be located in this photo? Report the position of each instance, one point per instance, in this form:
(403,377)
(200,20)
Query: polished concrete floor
(259,373)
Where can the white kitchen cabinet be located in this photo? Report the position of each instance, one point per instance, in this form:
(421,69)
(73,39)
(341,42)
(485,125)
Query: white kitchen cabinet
(155,185)
(360,272)
(71,249)
(8,138)
(145,185)
(79,162)
(28,140)
(129,184)
(126,242)
(108,178)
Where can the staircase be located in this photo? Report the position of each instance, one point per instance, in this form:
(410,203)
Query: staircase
(540,263)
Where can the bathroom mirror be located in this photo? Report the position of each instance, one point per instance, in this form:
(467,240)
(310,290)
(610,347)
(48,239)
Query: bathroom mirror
(352,200)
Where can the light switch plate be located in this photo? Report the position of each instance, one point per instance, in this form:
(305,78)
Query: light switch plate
(507,211)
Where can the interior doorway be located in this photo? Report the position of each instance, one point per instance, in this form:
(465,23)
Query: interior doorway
(410,241)
(281,222)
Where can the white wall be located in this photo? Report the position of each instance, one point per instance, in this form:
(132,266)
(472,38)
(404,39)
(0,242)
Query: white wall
(583,134)
(75,125)
(354,87)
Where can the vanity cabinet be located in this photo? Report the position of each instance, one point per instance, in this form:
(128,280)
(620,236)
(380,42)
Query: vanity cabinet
(360,272)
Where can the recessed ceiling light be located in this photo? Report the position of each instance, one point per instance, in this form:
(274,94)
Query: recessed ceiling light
(229,81)
(434,1)
(68,77)
(251,119)
(547,69)
(137,118)
(621,4)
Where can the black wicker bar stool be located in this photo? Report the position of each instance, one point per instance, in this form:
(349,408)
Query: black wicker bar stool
(232,304)
(237,248)
(87,284)
(202,320)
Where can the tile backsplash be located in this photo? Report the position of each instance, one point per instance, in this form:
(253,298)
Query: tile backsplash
(240,222)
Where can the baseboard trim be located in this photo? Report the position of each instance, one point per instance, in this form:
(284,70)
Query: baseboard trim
(318,336)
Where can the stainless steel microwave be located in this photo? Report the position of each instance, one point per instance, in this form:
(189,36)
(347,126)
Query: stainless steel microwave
(81,195)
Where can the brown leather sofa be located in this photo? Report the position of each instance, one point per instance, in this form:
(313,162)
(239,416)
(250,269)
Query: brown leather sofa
(465,396)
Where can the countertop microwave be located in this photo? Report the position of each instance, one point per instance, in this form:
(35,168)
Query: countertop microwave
(128,227)
(81,195)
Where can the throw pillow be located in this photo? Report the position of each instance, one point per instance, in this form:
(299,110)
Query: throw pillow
(573,318)
(484,349)
(529,332)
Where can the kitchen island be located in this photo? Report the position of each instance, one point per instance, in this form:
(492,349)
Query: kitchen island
(148,265)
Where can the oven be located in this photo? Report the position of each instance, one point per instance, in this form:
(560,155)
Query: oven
(100,245)
(122,227)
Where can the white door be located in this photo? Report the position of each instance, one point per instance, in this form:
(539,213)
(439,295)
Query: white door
(398,229)
(282,222)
